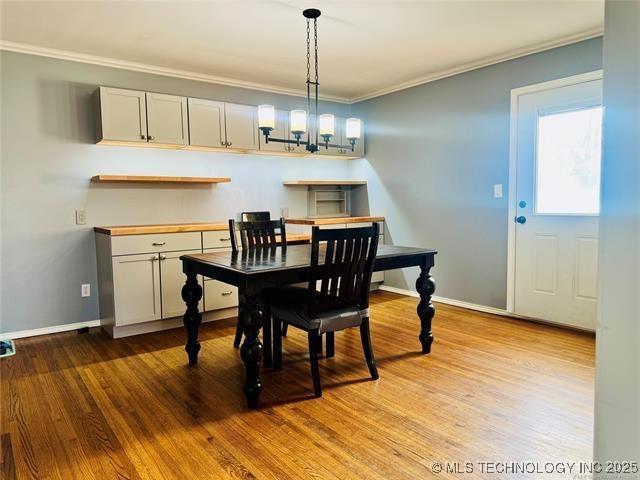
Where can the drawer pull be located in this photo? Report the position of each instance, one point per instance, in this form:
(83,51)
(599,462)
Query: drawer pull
(158,244)
(225,239)
(224,294)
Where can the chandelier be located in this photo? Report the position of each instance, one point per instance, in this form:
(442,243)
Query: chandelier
(323,125)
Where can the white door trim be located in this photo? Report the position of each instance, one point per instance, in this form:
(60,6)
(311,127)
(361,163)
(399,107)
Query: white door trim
(513,144)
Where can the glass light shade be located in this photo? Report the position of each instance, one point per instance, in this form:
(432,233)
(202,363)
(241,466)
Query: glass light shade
(353,128)
(327,124)
(298,121)
(266,116)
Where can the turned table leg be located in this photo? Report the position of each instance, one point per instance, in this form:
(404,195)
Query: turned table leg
(426,286)
(251,351)
(191,294)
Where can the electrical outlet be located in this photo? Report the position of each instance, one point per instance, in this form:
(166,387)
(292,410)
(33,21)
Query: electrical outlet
(497,190)
(85,290)
(81,217)
(284,212)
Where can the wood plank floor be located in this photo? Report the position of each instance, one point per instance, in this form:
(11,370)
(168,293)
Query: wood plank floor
(494,389)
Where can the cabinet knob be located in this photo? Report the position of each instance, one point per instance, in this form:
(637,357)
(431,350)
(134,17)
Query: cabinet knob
(150,137)
(163,257)
(154,258)
(229,144)
(224,294)
(143,137)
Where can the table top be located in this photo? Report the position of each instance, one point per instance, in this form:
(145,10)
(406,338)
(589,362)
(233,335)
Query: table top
(260,260)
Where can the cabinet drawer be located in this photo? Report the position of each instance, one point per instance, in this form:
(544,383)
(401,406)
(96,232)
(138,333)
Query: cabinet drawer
(157,242)
(218,295)
(221,239)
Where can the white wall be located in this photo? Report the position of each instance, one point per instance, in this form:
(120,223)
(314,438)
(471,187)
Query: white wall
(48,155)
(617,407)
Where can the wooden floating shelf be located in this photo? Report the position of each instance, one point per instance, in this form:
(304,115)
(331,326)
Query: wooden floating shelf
(323,182)
(157,179)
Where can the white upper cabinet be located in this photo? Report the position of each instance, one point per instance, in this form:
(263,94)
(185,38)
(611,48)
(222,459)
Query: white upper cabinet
(167,119)
(241,126)
(206,123)
(121,115)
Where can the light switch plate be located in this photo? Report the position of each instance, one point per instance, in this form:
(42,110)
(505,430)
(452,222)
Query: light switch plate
(85,290)
(497,190)
(284,212)
(81,217)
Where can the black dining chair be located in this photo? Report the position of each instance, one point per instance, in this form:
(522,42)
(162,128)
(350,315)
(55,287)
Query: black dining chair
(256,234)
(343,268)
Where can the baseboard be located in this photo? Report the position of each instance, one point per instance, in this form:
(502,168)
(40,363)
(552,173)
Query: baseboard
(482,308)
(48,330)
(451,301)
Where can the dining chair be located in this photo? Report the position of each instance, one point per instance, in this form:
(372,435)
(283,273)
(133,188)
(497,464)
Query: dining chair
(254,234)
(342,301)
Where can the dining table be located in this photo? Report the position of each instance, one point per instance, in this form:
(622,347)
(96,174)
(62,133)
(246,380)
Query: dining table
(255,270)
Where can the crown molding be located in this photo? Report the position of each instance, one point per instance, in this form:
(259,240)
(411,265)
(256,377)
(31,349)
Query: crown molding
(200,77)
(156,70)
(485,62)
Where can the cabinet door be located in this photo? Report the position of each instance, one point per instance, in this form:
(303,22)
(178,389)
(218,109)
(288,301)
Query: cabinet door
(206,123)
(280,131)
(123,115)
(136,288)
(167,119)
(241,123)
(172,280)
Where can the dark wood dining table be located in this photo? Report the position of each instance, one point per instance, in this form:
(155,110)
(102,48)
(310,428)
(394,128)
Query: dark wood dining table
(257,269)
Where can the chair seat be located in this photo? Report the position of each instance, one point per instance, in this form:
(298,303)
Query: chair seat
(294,311)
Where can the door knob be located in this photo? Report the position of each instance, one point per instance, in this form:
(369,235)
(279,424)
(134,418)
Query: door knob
(521,219)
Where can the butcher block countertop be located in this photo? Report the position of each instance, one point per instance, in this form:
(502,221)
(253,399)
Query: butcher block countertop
(333,221)
(120,230)
(162,228)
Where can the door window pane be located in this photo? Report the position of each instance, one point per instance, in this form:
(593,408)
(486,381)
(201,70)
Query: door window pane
(568,162)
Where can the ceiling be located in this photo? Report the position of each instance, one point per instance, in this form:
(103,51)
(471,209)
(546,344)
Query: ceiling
(365,47)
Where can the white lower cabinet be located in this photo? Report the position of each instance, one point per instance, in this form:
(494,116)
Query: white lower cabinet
(136,288)
(140,282)
(171,281)
(218,295)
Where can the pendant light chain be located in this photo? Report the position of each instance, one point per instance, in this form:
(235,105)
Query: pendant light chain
(315,38)
(308,77)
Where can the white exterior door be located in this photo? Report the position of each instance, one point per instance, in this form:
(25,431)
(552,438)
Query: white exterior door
(558,146)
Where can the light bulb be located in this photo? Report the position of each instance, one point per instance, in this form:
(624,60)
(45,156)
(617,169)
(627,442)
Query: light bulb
(353,128)
(298,121)
(266,116)
(326,124)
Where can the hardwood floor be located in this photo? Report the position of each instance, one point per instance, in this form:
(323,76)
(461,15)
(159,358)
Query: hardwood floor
(494,389)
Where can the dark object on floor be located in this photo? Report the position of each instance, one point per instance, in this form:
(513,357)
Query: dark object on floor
(83,330)
(342,300)
(7,348)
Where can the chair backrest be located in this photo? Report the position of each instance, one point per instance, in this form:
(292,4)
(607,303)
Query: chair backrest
(257,233)
(345,276)
(255,216)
